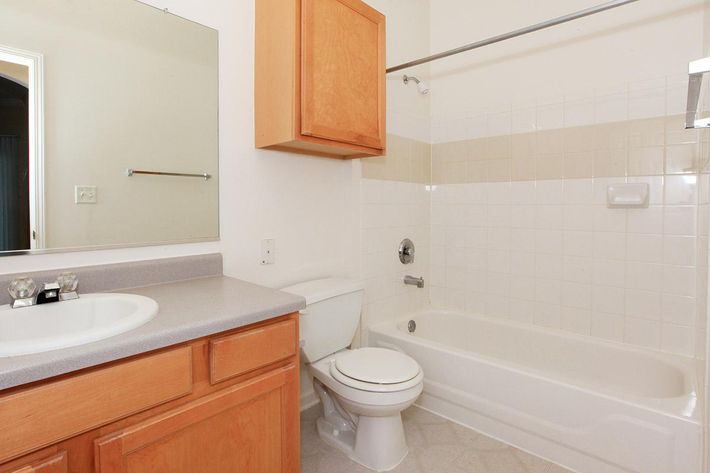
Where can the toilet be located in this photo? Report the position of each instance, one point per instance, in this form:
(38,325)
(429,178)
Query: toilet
(363,391)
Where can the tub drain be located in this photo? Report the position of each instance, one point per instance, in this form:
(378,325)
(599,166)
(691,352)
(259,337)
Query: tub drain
(411,326)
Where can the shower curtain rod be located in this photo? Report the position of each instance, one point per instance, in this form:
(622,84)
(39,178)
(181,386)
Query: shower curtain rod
(516,33)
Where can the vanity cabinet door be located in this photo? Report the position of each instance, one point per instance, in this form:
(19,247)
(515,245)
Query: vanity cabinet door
(54,464)
(252,427)
(343,63)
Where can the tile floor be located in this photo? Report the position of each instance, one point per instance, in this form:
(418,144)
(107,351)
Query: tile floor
(436,445)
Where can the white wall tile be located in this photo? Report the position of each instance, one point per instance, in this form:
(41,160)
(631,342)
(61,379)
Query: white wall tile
(610,245)
(522,310)
(579,112)
(607,326)
(578,191)
(679,280)
(647,103)
(547,315)
(642,332)
(548,266)
(609,220)
(577,295)
(609,272)
(522,287)
(522,263)
(611,108)
(522,192)
(648,220)
(548,291)
(681,190)
(550,116)
(643,304)
(549,192)
(680,221)
(677,339)
(549,217)
(522,216)
(644,248)
(579,217)
(524,120)
(644,276)
(498,192)
(578,269)
(576,320)
(548,241)
(679,250)
(678,310)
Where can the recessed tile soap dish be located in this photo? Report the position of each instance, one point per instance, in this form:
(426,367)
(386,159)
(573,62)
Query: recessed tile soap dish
(627,195)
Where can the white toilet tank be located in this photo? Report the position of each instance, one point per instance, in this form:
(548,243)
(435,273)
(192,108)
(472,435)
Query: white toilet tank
(332,313)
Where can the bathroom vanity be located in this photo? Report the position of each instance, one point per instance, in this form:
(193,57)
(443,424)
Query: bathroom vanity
(210,399)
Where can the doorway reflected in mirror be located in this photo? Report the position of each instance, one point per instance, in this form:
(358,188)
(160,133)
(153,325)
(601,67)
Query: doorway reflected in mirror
(15,227)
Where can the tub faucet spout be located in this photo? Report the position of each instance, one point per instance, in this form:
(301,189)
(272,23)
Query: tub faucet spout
(412,281)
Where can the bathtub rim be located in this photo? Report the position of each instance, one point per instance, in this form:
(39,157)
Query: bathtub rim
(671,406)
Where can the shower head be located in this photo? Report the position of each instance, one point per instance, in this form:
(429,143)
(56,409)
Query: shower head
(421,85)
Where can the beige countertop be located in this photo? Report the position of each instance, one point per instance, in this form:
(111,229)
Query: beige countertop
(188,310)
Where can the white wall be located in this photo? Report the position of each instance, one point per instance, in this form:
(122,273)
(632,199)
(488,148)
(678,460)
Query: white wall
(637,42)
(408,111)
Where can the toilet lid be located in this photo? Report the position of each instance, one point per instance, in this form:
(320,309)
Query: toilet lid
(377,366)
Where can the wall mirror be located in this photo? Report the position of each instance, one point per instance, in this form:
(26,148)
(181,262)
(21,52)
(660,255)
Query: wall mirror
(108,126)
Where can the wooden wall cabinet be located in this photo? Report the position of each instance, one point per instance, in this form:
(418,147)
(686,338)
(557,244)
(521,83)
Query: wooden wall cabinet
(320,78)
(185,409)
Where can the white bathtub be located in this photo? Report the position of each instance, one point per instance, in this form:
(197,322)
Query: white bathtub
(591,406)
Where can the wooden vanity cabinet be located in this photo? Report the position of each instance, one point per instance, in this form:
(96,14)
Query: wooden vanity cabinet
(169,414)
(320,77)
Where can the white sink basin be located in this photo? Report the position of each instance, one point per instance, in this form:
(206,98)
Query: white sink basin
(65,324)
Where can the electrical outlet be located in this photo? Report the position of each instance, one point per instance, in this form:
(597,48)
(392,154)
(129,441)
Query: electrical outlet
(268,251)
(84,194)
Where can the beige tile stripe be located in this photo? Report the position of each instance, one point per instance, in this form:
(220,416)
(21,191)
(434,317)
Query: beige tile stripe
(407,160)
(647,147)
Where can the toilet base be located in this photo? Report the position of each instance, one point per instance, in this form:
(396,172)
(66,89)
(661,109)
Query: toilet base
(378,443)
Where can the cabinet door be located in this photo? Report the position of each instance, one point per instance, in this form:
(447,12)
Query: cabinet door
(54,464)
(251,427)
(343,72)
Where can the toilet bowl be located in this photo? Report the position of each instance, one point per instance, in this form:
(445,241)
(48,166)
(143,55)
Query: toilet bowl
(362,418)
(363,391)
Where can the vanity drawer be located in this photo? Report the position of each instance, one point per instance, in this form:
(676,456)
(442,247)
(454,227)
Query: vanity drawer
(36,417)
(240,353)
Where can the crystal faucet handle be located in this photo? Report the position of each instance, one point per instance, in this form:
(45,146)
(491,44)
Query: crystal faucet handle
(68,282)
(22,288)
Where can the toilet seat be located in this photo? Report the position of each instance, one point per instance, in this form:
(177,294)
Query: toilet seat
(376,370)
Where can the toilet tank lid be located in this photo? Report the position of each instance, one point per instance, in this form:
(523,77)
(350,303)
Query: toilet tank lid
(322,289)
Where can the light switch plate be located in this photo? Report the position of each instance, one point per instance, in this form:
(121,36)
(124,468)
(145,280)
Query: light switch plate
(84,194)
(268,251)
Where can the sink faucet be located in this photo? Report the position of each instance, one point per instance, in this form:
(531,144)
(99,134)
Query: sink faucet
(412,281)
(24,293)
